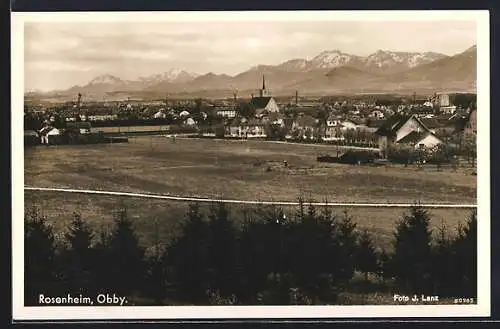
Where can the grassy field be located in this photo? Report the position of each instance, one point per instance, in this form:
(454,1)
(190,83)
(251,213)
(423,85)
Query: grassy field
(244,170)
(131,129)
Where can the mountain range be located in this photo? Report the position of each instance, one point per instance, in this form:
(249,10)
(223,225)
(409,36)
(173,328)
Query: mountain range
(330,72)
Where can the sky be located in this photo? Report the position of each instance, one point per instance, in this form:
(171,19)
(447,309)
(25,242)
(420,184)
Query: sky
(58,55)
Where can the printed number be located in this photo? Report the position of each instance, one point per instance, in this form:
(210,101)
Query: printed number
(464,300)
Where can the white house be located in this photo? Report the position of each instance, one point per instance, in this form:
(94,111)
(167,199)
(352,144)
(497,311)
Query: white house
(227,113)
(47,133)
(184,114)
(160,115)
(404,129)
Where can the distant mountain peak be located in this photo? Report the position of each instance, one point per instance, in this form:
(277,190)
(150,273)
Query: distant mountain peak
(105,79)
(471,49)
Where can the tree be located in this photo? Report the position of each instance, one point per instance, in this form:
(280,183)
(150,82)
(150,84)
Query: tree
(188,258)
(412,251)
(444,273)
(246,110)
(465,249)
(347,239)
(79,258)
(156,270)
(384,265)
(222,257)
(469,148)
(126,257)
(366,258)
(39,258)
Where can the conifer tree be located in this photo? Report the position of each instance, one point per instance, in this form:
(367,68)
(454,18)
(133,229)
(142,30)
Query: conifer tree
(384,270)
(412,260)
(465,249)
(443,265)
(39,258)
(188,258)
(156,283)
(347,242)
(79,258)
(222,243)
(366,257)
(126,257)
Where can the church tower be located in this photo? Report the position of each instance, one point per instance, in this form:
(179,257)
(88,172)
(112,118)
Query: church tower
(263,91)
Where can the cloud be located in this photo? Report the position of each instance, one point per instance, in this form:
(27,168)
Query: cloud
(138,49)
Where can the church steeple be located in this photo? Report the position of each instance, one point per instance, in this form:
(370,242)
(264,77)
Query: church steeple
(263,91)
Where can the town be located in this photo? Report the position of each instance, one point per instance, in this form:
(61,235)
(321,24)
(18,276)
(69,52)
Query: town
(366,121)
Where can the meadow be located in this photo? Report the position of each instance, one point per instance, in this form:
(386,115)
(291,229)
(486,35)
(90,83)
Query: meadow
(242,170)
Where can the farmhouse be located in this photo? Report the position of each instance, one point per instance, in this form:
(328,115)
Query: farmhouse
(405,129)
(49,135)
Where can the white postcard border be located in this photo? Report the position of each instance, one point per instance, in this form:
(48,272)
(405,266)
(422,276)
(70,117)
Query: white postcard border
(20,312)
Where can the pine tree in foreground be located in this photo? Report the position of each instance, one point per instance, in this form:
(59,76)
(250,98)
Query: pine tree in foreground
(465,249)
(79,258)
(444,275)
(412,259)
(187,256)
(366,256)
(126,257)
(39,258)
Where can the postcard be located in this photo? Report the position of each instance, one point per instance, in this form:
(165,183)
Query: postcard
(250,165)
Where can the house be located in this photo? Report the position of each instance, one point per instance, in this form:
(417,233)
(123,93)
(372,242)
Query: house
(348,124)
(82,127)
(227,113)
(274,118)
(448,109)
(377,114)
(245,129)
(184,114)
(160,114)
(49,135)
(305,126)
(333,120)
(405,129)
(99,117)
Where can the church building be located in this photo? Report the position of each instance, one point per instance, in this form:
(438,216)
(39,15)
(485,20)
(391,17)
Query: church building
(265,103)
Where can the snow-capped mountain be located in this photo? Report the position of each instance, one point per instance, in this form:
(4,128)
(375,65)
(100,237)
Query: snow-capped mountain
(331,59)
(329,71)
(380,61)
(402,60)
(106,79)
(294,64)
(172,75)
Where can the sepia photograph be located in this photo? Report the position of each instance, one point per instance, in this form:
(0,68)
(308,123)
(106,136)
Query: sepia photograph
(260,162)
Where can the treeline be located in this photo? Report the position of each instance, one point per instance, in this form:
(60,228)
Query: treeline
(308,257)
